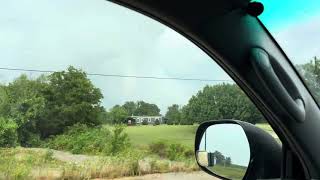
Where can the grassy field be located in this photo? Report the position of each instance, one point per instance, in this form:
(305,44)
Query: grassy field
(232,172)
(144,135)
(37,163)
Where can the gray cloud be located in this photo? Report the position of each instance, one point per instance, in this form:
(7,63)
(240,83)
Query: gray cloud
(300,40)
(101,37)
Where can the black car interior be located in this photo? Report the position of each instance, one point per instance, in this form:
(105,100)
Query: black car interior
(231,33)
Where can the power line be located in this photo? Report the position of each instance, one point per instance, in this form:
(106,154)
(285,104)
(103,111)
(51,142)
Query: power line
(120,76)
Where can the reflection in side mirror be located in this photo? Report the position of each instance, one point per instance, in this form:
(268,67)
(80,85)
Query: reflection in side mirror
(224,150)
(202,157)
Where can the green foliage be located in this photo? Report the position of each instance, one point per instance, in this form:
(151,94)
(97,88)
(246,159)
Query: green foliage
(8,133)
(24,104)
(24,163)
(145,122)
(119,140)
(219,157)
(222,101)
(81,139)
(48,104)
(174,151)
(159,148)
(156,122)
(118,115)
(146,109)
(32,139)
(311,74)
(228,161)
(141,108)
(173,114)
(71,98)
(48,156)
(130,107)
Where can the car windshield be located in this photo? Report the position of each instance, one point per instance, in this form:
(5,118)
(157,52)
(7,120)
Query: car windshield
(296,27)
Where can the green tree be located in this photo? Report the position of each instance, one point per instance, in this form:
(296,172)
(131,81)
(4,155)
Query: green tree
(25,104)
(220,159)
(228,161)
(130,107)
(4,102)
(70,98)
(8,133)
(103,116)
(119,140)
(185,120)
(147,109)
(173,114)
(311,74)
(222,101)
(118,115)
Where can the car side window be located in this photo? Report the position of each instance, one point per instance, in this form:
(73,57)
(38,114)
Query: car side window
(89,89)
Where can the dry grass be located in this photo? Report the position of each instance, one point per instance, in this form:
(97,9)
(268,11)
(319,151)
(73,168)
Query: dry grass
(40,164)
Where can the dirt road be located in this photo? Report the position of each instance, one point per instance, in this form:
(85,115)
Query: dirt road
(173,176)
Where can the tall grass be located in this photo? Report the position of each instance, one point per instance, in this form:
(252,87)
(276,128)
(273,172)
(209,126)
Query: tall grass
(32,163)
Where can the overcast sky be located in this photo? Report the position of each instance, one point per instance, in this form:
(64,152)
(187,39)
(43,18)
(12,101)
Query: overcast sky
(228,139)
(101,37)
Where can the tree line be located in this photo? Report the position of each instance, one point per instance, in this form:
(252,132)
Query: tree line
(221,101)
(34,109)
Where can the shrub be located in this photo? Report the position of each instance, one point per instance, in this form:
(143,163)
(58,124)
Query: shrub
(48,156)
(119,140)
(8,133)
(189,153)
(171,151)
(33,140)
(157,122)
(176,151)
(81,139)
(159,148)
(145,122)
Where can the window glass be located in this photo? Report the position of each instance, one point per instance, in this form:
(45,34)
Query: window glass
(296,27)
(89,89)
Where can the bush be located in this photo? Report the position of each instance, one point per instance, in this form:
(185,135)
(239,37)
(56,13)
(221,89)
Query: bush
(33,140)
(170,151)
(8,133)
(159,148)
(81,139)
(169,123)
(156,122)
(145,122)
(176,151)
(119,140)
(189,153)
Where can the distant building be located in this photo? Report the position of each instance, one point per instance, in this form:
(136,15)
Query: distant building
(149,119)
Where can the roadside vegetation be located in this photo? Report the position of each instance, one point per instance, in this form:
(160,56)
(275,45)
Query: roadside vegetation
(42,118)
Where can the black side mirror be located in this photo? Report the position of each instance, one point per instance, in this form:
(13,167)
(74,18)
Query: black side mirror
(232,149)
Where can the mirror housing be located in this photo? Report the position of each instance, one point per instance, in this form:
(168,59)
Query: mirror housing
(265,151)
